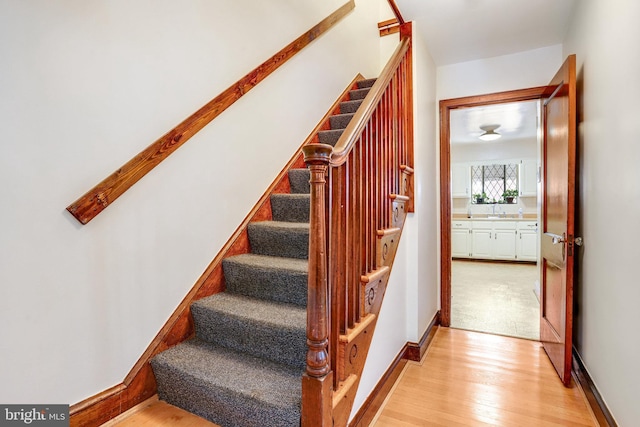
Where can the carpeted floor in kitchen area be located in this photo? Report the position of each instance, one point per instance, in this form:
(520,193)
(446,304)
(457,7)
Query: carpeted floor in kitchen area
(494,297)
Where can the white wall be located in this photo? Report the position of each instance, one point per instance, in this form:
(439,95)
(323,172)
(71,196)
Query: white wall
(604,37)
(495,152)
(85,86)
(517,71)
(411,298)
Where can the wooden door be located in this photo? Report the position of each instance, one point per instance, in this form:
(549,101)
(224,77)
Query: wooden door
(558,207)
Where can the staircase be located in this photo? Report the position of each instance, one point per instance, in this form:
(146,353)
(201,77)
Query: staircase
(245,363)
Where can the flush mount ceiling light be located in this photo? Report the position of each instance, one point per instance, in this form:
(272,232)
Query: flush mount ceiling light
(490,133)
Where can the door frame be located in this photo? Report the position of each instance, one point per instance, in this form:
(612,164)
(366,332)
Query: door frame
(446,106)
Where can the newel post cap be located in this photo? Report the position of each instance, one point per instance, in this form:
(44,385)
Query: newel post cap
(316,154)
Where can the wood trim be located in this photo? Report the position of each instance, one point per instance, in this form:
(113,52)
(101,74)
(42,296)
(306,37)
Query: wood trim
(406,31)
(415,351)
(376,398)
(388,23)
(390,26)
(374,402)
(112,402)
(139,384)
(598,406)
(106,192)
(387,31)
(445,172)
(396,11)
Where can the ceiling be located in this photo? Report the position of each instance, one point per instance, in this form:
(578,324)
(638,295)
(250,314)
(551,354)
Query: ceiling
(517,120)
(466,30)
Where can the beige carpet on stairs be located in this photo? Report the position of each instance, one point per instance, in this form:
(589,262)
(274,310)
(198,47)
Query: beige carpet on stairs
(497,298)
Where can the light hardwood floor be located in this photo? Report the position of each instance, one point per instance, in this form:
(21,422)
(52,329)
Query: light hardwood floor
(465,379)
(154,412)
(475,379)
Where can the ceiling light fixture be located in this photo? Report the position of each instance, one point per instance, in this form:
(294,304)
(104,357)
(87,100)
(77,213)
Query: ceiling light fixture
(490,133)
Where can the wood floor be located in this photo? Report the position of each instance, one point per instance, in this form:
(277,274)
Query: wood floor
(475,379)
(154,413)
(465,379)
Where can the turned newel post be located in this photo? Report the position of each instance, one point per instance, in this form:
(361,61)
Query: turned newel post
(317,380)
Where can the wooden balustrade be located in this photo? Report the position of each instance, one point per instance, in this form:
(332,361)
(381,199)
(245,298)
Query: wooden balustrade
(356,217)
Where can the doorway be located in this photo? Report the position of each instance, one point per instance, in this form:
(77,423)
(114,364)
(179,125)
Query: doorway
(495,152)
(453,212)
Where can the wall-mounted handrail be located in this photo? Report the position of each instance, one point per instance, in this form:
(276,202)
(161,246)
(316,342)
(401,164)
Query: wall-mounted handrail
(106,192)
(396,11)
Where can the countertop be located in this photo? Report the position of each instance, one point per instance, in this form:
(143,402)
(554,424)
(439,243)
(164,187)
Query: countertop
(508,217)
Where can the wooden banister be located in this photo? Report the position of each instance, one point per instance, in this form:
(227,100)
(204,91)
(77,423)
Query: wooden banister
(106,192)
(369,104)
(361,190)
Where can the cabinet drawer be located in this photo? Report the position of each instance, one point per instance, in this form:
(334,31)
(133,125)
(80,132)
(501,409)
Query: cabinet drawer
(460,224)
(504,225)
(482,225)
(528,225)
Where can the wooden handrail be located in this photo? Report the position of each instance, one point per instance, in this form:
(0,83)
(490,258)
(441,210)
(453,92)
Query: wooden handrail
(107,191)
(396,11)
(356,125)
(361,191)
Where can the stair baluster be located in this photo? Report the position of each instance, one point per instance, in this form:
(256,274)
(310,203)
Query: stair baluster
(355,223)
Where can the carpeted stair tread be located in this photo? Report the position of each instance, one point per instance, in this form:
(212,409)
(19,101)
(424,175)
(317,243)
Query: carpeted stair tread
(267,277)
(329,136)
(299,181)
(261,328)
(350,106)
(366,83)
(340,121)
(279,238)
(229,388)
(291,207)
(358,93)
(244,366)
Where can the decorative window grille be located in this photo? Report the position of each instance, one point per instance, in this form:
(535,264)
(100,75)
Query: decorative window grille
(493,180)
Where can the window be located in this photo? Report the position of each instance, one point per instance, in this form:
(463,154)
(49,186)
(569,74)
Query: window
(493,180)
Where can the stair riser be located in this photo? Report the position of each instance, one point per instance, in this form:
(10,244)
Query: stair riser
(284,286)
(299,181)
(219,405)
(358,93)
(350,106)
(329,137)
(279,242)
(290,209)
(340,121)
(367,83)
(267,341)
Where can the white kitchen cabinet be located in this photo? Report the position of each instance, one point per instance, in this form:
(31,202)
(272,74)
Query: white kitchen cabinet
(527,242)
(529,178)
(504,245)
(460,180)
(460,238)
(499,239)
(482,239)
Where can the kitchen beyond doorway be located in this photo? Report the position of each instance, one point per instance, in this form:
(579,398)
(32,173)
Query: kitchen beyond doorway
(497,298)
